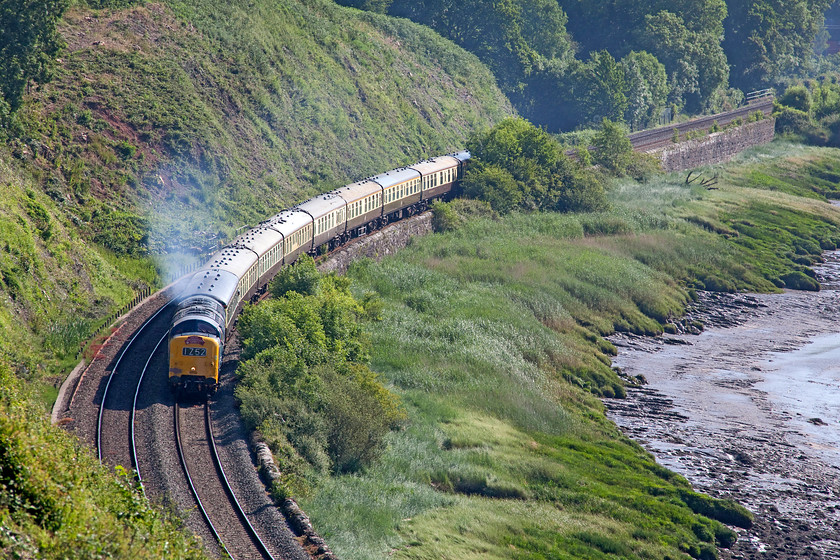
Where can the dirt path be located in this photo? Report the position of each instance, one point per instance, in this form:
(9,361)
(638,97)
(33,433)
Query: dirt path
(750,410)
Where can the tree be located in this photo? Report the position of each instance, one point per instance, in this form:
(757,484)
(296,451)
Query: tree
(519,165)
(613,149)
(694,60)
(603,87)
(28,45)
(523,42)
(647,88)
(768,39)
(614,24)
(301,277)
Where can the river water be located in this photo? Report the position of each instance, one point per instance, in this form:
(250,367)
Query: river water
(750,410)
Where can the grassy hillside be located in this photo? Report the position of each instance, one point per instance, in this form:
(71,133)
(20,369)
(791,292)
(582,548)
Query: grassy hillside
(48,274)
(492,336)
(208,115)
(171,125)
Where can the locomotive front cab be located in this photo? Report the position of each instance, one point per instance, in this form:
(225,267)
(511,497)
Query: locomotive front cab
(194,351)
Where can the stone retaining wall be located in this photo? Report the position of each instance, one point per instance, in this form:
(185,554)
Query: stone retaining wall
(379,244)
(718,147)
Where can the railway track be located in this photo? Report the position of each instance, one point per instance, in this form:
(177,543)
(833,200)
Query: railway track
(207,480)
(648,140)
(173,452)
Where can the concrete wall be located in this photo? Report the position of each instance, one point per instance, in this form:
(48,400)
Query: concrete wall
(717,147)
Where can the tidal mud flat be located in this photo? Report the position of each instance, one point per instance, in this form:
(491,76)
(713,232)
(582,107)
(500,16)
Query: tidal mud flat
(749,410)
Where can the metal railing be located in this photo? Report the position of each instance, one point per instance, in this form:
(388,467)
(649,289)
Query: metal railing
(759,94)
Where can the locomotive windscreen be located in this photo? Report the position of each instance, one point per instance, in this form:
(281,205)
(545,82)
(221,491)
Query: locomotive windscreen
(191,326)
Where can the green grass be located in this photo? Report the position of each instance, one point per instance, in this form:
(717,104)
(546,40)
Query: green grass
(493,336)
(58,502)
(200,117)
(55,287)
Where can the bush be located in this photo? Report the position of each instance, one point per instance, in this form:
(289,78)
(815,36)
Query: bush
(800,281)
(725,511)
(613,149)
(718,284)
(444,217)
(494,185)
(792,121)
(301,277)
(518,165)
(585,193)
(304,378)
(797,97)
(359,412)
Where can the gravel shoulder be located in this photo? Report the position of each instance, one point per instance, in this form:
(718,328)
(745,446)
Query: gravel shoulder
(747,410)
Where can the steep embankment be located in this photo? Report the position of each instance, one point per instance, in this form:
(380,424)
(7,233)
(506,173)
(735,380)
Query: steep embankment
(172,124)
(219,113)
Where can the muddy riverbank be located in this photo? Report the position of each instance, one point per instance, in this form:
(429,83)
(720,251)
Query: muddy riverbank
(750,410)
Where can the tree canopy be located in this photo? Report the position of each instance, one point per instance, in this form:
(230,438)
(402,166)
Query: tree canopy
(767,39)
(574,62)
(519,166)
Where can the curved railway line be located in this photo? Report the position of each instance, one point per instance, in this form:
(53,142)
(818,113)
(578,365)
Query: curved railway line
(142,428)
(206,476)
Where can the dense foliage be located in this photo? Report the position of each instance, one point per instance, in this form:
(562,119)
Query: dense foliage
(767,41)
(519,166)
(684,36)
(305,382)
(58,503)
(575,62)
(811,111)
(516,165)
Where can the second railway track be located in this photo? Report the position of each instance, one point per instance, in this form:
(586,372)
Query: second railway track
(648,140)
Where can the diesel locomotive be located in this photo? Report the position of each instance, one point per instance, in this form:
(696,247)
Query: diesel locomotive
(214,294)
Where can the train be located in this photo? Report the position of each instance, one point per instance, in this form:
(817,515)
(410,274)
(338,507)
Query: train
(213,296)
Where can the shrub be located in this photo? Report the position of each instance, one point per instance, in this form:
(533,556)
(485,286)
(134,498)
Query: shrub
(444,217)
(359,412)
(791,120)
(304,378)
(494,185)
(613,149)
(520,165)
(797,97)
(718,284)
(585,193)
(797,280)
(725,511)
(301,277)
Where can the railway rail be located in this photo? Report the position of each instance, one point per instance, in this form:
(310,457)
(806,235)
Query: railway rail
(206,476)
(141,427)
(649,140)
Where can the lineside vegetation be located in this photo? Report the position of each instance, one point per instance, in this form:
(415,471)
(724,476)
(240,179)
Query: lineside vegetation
(493,337)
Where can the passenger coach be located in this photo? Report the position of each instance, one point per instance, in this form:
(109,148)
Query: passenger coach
(215,293)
